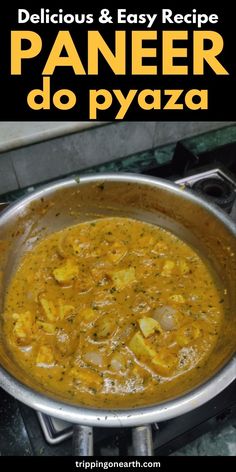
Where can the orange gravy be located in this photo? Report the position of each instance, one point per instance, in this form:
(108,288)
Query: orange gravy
(112,313)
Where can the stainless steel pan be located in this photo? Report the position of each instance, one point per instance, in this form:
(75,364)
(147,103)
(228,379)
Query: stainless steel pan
(157,201)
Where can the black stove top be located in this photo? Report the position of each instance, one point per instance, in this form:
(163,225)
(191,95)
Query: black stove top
(185,161)
(212,172)
(21,434)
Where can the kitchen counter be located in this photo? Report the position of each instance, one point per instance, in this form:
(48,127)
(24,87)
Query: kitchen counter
(16,134)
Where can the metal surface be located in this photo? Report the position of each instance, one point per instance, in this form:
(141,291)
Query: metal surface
(83,441)
(218,173)
(153,200)
(54,429)
(142,441)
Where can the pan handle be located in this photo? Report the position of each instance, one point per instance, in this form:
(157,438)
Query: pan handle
(142,440)
(82,441)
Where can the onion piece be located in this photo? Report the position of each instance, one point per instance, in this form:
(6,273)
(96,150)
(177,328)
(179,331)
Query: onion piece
(118,362)
(94,358)
(166,316)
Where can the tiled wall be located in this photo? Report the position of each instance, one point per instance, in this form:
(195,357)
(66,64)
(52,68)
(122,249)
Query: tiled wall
(62,155)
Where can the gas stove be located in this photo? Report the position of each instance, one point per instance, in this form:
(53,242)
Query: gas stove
(211,173)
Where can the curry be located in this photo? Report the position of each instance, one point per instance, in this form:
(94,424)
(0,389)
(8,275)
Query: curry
(112,313)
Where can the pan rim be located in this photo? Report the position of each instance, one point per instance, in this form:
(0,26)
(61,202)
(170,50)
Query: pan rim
(128,417)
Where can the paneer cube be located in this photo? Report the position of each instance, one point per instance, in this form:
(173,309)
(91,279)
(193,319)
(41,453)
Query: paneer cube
(66,272)
(140,347)
(123,278)
(164,362)
(179,299)
(167,268)
(117,251)
(48,309)
(48,328)
(148,326)
(23,326)
(88,377)
(45,356)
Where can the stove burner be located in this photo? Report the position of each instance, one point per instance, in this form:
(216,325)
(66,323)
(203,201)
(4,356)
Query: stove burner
(217,191)
(217,184)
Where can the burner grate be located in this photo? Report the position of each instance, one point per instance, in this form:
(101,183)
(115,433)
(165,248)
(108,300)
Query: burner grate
(216,184)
